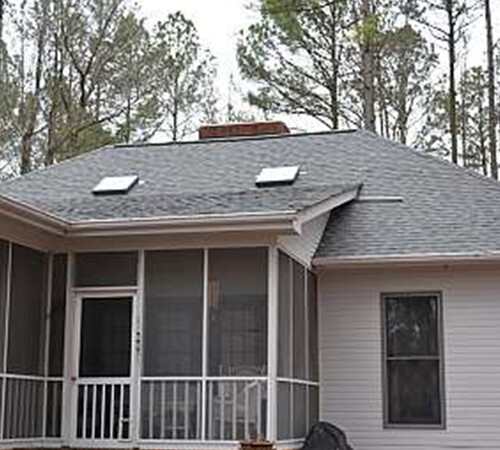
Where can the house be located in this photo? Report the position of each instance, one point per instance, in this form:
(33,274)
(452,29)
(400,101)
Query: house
(196,294)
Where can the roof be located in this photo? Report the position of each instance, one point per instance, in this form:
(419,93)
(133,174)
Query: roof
(410,202)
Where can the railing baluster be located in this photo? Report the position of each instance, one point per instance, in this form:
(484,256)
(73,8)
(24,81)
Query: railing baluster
(174,410)
(246,412)
(27,388)
(18,409)
(85,410)
(21,409)
(94,409)
(55,406)
(122,400)
(235,404)
(103,409)
(112,413)
(198,410)
(186,409)
(259,410)
(151,399)
(222,408)
(210,410)
(8,415)
(163,408)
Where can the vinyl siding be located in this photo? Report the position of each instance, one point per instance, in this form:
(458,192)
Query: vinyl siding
(304,246)
(351,361)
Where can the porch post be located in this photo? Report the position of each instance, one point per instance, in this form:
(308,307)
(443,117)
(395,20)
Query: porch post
(204,356)
(272,416)
(137,349)
(68,412)
(6,340)
(46,350)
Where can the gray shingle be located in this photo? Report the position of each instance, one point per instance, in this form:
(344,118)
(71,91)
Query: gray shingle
(445,209)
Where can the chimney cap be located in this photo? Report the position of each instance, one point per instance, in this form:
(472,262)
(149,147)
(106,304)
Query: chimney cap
(242,129)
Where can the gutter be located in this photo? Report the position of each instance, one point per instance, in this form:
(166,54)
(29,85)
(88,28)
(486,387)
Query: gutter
(409,259)
(282,221)
(279,221)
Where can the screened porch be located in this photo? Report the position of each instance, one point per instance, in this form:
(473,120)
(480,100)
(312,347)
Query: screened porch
(143,347)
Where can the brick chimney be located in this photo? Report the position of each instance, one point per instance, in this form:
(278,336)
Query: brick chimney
(242,129)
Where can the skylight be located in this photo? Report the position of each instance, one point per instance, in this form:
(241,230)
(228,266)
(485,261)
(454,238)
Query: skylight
(271,176)
(115,185)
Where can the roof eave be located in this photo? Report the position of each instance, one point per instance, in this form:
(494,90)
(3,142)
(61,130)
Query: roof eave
(327,262)
(278,222)
(32,216)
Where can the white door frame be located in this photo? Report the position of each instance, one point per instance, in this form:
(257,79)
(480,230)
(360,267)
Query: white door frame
(76,302)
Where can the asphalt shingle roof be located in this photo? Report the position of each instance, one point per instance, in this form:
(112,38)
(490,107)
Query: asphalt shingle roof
(441,208)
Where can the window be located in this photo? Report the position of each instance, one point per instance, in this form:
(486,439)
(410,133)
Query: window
(413,359)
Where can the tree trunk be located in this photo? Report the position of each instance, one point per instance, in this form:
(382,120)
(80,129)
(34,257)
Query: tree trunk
(452,90)
(33,102)
(492,119)
(334,55)
(2,8)
(463,114)
(368,63)
(402,90)
(482,144)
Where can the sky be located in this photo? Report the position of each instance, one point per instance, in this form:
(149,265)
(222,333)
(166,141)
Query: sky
(219,22)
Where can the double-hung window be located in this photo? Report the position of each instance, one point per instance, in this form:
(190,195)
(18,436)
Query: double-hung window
(413,360)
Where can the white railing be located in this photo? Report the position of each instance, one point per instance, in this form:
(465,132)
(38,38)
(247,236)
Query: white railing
(30,407)
(103,409)
(172,409)
(237,409)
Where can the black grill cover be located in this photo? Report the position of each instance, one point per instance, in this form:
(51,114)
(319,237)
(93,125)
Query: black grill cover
(325,436)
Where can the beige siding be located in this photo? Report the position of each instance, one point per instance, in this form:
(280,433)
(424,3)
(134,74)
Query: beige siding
(304,246)
(350,341)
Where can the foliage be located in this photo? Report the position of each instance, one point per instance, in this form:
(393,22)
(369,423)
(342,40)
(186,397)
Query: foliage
(81,74)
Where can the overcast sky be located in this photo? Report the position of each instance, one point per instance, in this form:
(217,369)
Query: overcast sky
(219,22)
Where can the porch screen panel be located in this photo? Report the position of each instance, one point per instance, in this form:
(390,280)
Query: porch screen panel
(238,289)
(173,313)
(57,314)
(299,321)
(285,317)
(98,269)
(298,387)
(27,311)
(285,411)
(4,267)
(312,317)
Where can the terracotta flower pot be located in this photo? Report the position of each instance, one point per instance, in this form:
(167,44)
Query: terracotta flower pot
(257,445)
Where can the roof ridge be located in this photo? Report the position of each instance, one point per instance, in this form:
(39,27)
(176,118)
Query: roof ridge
(429,157)
(233,139)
